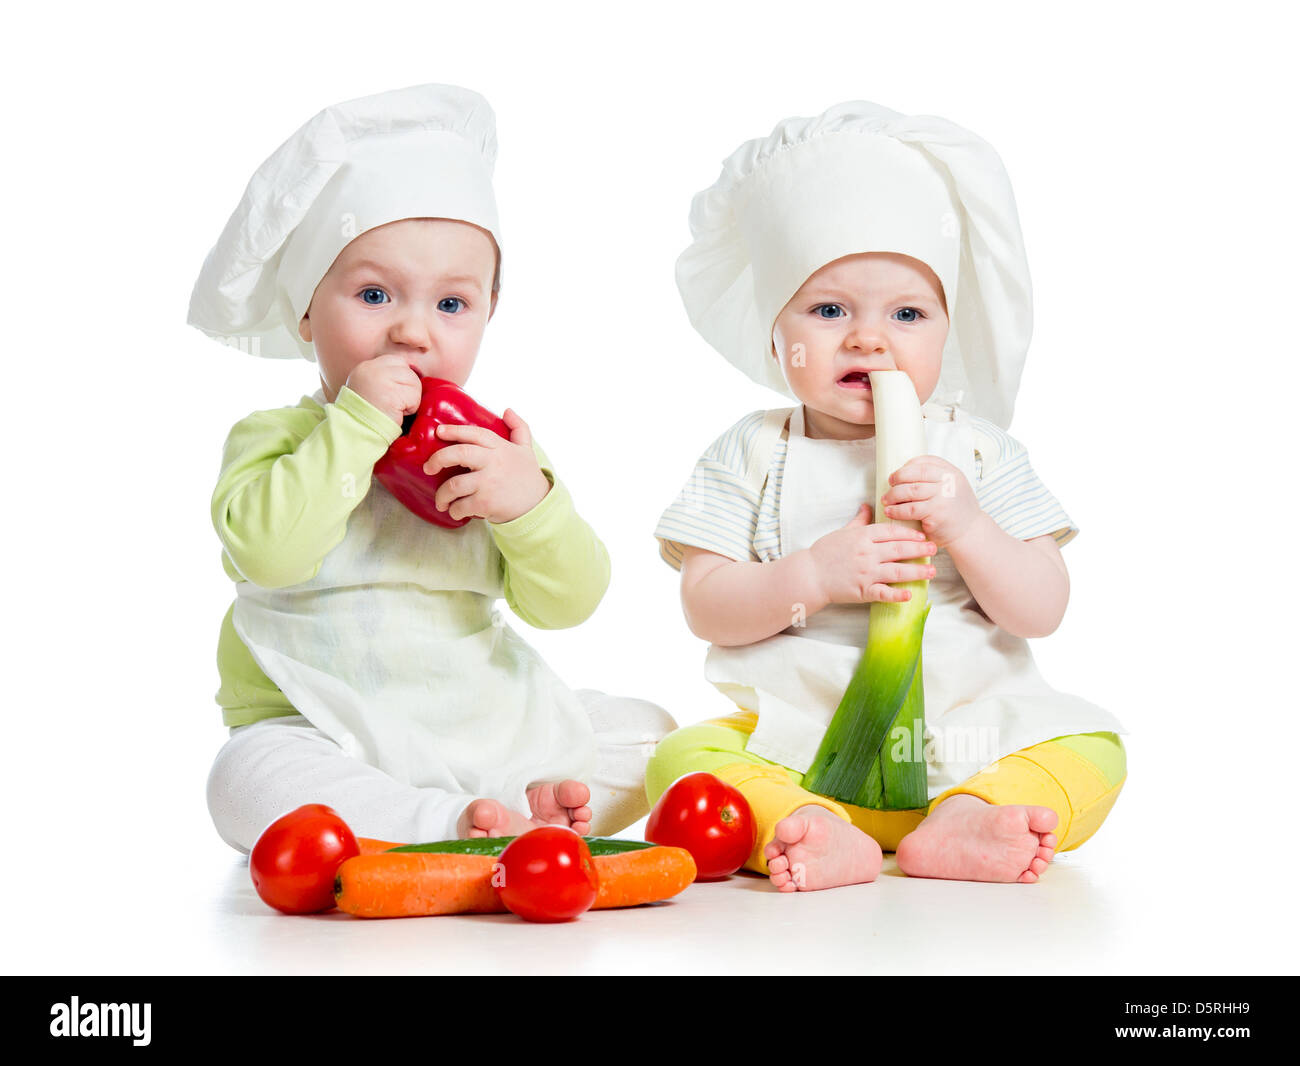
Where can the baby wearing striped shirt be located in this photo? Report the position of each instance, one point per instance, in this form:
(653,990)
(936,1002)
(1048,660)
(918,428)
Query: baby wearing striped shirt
(782,595)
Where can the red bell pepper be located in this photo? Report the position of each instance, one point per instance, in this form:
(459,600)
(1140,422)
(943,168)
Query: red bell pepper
(401,469)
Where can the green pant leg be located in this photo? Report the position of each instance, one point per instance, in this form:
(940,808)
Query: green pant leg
(1104,750)
(705,746)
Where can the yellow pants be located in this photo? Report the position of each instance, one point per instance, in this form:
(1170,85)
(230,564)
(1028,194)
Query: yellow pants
(1079,777)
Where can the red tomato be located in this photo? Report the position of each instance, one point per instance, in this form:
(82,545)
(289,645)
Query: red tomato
(546,875)
(295,859)
(708,818)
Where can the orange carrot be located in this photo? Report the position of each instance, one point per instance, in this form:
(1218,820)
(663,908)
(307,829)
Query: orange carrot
(401,885)
(370,846)
(383,884)
(635,877)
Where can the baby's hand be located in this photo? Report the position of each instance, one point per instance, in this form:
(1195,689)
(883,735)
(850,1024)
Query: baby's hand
(935,493)
(856,564)
(504,480)
(389,383)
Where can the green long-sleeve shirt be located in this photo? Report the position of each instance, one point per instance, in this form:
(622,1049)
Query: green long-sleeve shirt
(289,480)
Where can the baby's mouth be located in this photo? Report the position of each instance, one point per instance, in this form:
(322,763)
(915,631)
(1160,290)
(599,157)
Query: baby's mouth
(856,379)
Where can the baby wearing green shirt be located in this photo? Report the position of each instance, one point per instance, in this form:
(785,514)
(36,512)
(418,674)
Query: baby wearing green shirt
(363,664)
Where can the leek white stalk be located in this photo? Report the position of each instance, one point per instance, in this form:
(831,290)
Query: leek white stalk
(855,763)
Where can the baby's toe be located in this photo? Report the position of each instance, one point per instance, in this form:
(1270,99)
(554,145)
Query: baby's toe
(572,793)
(791,829)
(1041,819)
(483,814)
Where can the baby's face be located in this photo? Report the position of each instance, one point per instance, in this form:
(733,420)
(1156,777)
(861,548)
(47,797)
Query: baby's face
(420,288)
(874,311)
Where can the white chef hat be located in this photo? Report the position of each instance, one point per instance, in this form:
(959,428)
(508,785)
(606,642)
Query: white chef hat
(422,152)
(863,178)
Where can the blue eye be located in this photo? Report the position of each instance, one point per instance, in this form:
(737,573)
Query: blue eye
(836,310)
(451,304)
(365,293)
(910,310)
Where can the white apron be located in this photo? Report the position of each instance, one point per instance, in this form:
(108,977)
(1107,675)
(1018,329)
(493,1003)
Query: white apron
(395,650)
(984,697)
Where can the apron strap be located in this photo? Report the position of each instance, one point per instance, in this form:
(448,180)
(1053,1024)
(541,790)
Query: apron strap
(760,455)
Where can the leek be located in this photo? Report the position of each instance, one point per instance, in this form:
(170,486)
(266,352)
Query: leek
(855,763)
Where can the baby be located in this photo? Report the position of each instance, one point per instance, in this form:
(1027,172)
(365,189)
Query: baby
(858,241)
(363,664)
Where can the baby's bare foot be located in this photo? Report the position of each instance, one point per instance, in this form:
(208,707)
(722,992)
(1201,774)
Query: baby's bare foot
(489,818)
(815,848)
(966,839)
(561,803)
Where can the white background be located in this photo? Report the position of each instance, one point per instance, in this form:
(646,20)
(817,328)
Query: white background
(1152,151)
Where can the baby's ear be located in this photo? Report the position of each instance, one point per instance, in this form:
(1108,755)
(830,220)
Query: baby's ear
(492,307)
(304,329)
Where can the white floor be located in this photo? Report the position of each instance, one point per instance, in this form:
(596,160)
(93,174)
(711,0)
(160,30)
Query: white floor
(1072,921)
(1150,894)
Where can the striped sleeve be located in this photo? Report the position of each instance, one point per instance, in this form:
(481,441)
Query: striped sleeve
(716,510)
(1010,492)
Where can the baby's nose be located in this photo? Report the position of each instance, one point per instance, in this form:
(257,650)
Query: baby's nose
(865,339)
(414,329)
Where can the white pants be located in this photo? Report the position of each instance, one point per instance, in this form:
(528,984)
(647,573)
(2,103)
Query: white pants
(273,766)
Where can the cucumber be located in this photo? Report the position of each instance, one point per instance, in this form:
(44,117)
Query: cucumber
(496,845)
